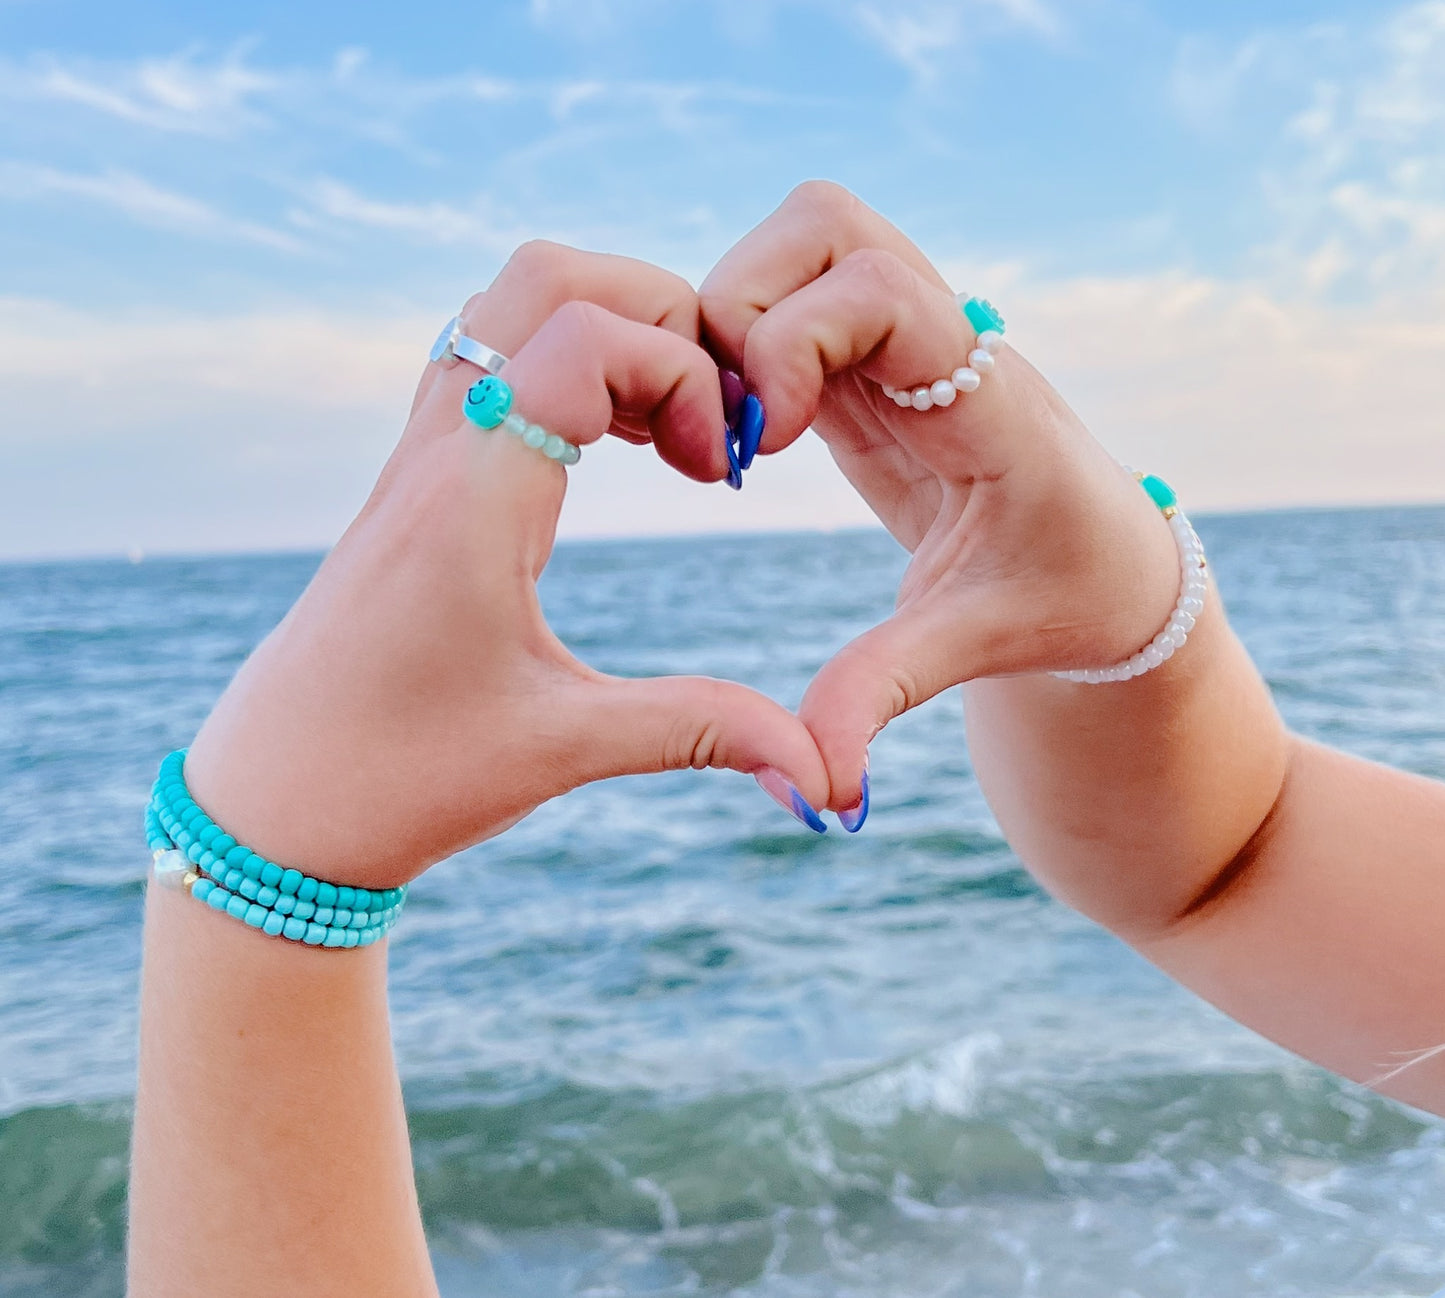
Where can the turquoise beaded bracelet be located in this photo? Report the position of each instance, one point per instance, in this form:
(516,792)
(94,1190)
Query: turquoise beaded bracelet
(193,853)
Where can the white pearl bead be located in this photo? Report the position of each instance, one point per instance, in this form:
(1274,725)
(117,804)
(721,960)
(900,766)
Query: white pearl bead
(1185,619)
(980,360)
(1191,604)
(991,341)
(943,393)
(1177,636)
(922,399)
(1092,677)
(965,379)
(1137,665)
(887,390)
(1152,657)
(902,398)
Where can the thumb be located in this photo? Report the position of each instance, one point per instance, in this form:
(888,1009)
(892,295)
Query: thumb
(670,723)
(885,672)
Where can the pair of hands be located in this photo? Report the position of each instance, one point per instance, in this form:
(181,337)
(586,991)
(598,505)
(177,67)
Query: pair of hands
(414,701)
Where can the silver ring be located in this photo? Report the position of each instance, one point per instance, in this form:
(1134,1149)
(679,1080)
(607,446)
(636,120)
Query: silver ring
(453,345)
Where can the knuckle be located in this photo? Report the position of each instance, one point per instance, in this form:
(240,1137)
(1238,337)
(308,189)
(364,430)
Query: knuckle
(880,268)
(577,322)
(824,199)
(539,260)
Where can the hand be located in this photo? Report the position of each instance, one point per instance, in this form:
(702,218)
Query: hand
(1032,549)
(415,693)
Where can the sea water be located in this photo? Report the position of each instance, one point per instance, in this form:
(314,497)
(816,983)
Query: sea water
(660,1040)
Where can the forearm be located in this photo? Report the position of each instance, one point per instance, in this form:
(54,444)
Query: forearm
(270,1151)
(1132,801)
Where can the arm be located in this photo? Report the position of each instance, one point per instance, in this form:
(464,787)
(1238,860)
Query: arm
(1299,889)
(411,703)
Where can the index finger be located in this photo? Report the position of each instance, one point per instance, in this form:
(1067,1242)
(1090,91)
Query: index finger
(817,226)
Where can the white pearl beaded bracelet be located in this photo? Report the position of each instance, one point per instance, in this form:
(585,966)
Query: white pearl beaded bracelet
(1194,581)
(966,378)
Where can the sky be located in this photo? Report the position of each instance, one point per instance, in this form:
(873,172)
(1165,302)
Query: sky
(228,234)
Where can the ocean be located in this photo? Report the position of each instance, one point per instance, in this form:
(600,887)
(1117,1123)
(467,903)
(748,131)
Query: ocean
(660,1040)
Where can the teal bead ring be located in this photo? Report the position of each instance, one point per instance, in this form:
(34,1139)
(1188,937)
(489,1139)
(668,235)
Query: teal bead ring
(193,853)
(488,404)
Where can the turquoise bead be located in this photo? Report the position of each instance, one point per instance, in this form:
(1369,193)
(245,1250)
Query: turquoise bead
(249,888)
(535,436)
(362,899)
(207,861)
(271,874)
(183,839)
(315,935)
(233,879)
(341,918)
(983,316)
(323,915)
(1160,492)
(203,888)
(290,880)
(256,915)
(274,924)
(488,402)
(570,454)
(237,856)
(253,865)
(219,899)
(334,937)
(553,447)
(223,844)
(304,909)
(351,938)
(209,835)
(307,889)
(285,903)
(360,918)
(325,894)
(238,906)
(345,897)
(268,897)
(194,853)
(294,928)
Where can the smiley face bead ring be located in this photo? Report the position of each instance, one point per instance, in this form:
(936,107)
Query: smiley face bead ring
(488,404)
(988,325)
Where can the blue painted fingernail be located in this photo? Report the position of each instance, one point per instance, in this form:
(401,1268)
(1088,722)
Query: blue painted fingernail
(782,791)
(735,470)
(733,395)
(852,819)
(750,430)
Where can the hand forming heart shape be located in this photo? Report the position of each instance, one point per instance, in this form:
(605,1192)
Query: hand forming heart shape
(416,683)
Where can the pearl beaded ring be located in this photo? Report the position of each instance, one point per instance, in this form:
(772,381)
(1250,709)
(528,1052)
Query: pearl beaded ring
(989,325)
(1194,582)
(488,404)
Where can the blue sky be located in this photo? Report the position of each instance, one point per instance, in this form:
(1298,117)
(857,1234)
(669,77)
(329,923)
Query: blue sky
(227,234)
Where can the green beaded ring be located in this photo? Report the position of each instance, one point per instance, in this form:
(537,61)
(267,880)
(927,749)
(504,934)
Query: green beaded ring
(192,853)
(488,404)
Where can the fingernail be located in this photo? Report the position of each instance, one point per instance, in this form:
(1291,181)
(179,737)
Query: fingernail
(735,470)
(852,819)
(780,789)
(733,395)
(751,423)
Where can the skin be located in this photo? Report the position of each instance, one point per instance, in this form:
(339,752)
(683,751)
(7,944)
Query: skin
(414,702)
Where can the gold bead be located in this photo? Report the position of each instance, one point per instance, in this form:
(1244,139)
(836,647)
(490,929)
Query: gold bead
(1169,511)
(190,879)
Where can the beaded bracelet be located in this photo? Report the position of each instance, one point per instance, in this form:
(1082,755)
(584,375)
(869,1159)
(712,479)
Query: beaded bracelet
(488,404)
(1194,582)
(191,852)
(989,327)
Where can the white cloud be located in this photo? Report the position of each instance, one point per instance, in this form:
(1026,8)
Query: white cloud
(182,93)
(1239,397)
(141,201)
(434,223)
